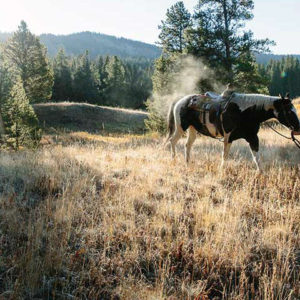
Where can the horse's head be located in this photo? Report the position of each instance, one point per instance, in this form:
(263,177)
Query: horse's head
(286,113)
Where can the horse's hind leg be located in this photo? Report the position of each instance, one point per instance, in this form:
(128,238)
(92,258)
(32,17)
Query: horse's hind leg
(225,150)
(174,139)
(192,134)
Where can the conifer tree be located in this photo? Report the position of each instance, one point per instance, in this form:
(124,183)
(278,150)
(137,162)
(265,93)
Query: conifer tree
(172,35)
(27,58)
(138,85)
(115,81)
(84,84)
(6,83)
(218,37)
(20,121)
(62,87)
(156,106)
(247,77)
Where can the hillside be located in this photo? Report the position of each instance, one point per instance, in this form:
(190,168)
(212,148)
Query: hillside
(103,44)
(91,118)
(265,58)
(96,44)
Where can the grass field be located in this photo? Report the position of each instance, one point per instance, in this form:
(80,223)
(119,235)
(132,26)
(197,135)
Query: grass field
(94,217)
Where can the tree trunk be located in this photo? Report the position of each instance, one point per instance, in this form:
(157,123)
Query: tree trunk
(2,129)
(228,63)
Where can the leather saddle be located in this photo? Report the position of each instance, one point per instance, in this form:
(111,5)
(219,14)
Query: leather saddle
(214,96)
(211,104)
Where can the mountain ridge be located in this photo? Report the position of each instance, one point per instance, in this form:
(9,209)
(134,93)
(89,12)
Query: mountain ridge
(96,43)
(104,44)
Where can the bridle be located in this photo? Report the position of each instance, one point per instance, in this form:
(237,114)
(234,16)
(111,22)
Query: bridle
(297,142)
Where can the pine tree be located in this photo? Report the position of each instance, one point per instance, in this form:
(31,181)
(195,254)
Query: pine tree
(172,35)
(162,79)
(84,84)
(218,38)
(275,86)
(6,83)
(284,76)
(27,57)
(20,121)
(138,85)
(62,87)
(115,81)
(248,79)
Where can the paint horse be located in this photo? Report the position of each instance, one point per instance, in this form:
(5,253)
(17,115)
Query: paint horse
(230,116)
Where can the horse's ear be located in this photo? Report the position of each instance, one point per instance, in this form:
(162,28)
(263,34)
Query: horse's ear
(287,96)
(280,96)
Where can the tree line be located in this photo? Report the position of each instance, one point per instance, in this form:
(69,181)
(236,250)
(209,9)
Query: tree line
(282,76)
(27,76)
(215,35)
(105,81)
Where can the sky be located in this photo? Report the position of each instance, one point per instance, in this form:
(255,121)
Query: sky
(138,19)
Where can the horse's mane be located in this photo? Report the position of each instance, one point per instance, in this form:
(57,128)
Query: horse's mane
(245,101)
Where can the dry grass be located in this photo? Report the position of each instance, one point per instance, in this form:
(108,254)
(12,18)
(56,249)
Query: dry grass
(90,217)
(71,116)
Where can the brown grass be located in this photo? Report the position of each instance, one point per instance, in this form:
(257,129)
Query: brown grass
(91,217)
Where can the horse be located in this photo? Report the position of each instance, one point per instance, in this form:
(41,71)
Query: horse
(230,116)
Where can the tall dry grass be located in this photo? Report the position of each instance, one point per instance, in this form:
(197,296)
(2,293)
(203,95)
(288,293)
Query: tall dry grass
(88,217)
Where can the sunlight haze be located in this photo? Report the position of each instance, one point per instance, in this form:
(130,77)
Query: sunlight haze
(139,19)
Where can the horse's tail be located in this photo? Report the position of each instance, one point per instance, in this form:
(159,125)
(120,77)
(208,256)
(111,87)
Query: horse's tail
(171,122)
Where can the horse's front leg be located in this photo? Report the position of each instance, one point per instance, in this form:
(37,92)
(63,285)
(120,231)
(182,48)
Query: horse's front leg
(226,149)
(254,147)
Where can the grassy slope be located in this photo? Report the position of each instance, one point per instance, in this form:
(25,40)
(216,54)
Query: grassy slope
(91,118)
(99,217)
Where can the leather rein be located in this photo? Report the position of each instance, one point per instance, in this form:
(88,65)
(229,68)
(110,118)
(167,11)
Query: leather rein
(297,142)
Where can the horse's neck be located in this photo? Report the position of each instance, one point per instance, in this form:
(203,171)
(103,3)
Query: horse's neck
(263,115)
(263,107)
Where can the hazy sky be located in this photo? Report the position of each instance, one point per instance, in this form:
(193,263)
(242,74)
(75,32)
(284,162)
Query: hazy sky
(138,19)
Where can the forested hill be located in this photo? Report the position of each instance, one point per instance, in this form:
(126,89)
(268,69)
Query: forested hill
(265,58)
(97,44)
(103,44)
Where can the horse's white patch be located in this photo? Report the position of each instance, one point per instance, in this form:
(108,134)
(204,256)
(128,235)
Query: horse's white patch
(211,127)
(245,101)
(177,109)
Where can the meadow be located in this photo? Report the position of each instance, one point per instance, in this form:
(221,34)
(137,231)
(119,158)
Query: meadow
(88,216)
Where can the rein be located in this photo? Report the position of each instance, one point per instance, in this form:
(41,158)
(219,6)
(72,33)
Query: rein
(286,137)
(297,142)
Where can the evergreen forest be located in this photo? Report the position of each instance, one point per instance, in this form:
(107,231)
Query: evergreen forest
(208,47)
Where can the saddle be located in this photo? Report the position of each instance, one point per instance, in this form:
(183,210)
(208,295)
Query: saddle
(214,96)
(213,105)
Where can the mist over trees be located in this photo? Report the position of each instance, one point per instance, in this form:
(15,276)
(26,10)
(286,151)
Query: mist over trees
(215,34)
